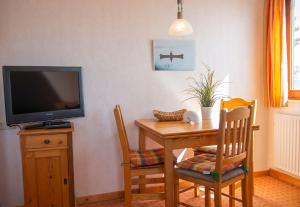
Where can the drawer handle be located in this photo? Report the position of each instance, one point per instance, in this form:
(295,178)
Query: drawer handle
(46,141)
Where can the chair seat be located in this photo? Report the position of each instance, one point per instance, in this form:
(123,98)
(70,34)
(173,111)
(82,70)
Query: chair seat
(205,164)
(147,158)
(206,149)
(209,149)
(197,175)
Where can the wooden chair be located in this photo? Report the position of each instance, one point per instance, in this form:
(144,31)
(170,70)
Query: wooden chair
(139,172)
(235,129)
(229,105)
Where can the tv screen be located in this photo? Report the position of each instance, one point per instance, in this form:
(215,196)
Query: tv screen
(42,93)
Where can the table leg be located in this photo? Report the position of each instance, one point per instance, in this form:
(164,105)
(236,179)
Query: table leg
(251,177)
(169,175)
(142,147)
(142,140)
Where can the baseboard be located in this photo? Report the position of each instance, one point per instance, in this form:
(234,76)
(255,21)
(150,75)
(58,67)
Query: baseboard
(284,176)
(111,196)
(99,197)
(261,173)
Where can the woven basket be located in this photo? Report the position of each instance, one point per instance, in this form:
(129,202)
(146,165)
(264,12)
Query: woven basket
(169,116)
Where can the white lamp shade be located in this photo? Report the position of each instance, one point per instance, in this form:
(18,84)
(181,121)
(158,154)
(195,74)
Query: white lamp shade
(180,27)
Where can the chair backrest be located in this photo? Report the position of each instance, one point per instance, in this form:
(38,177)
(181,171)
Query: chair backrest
(122,133)
(238,102)
(235,137)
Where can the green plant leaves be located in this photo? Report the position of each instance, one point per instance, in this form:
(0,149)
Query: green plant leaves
(204,89)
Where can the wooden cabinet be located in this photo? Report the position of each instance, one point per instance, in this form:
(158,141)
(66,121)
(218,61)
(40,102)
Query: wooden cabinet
(47,167)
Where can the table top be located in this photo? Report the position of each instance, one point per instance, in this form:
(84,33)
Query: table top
(179,128)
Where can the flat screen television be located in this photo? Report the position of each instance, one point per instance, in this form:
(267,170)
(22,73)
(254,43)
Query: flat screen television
(42,93)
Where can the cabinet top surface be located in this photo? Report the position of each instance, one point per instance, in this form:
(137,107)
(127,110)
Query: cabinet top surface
(46,131)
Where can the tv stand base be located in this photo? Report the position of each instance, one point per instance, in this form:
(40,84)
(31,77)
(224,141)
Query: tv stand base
(49,125)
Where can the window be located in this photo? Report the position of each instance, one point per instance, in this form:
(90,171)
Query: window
(294,73)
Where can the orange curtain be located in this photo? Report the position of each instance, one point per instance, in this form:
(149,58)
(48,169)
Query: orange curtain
(276,53)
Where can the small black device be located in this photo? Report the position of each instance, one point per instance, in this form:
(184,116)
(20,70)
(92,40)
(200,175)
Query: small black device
(49,125)
(42,94)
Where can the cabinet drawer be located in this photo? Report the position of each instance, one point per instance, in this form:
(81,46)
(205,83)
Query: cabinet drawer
(46,141)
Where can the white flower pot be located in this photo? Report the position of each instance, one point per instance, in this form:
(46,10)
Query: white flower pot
(206,112)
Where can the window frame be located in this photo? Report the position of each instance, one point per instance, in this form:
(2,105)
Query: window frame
(292,94)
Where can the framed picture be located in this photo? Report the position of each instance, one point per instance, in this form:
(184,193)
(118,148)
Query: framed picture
(174,55)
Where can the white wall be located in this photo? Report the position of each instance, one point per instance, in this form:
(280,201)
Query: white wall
(111,40)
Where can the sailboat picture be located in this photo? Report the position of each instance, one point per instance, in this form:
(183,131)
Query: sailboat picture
(174,55)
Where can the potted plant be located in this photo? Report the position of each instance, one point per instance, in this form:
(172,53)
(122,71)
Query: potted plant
(204,89)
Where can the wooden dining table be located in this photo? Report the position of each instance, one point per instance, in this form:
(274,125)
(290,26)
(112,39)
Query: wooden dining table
(179,135)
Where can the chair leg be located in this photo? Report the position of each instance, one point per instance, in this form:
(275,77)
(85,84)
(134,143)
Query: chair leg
(245,191)
(176,187)
(196,190)
(232,193)
(207,197)
(142,187)
(218,196)
(127,187)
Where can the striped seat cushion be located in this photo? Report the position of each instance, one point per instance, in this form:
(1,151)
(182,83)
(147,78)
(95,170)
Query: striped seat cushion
(206,150)
(205,163)
(227,176)
(210,149)
(146,158)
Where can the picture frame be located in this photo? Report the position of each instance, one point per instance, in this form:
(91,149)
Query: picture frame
(174,55)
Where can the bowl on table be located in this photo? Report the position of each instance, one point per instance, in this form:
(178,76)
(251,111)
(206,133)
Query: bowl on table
(169,116)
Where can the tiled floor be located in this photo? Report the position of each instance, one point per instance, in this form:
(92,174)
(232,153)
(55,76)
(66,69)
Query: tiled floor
(269,192)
